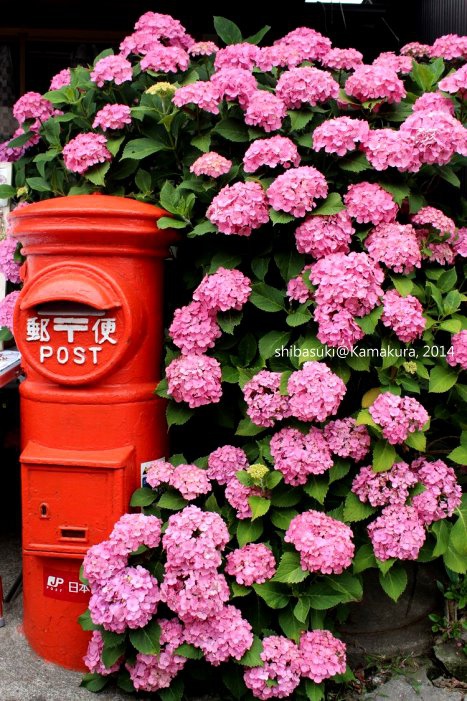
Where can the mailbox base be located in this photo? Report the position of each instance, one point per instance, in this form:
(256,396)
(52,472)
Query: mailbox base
(54,597)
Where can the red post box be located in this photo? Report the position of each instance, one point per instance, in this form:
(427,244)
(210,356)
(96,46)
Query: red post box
(89,326)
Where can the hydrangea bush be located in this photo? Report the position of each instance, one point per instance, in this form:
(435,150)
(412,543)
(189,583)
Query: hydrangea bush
(315,345)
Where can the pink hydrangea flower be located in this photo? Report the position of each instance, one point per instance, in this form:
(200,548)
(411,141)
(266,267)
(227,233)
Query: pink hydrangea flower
(399,64)
(7,307)
(265,110)
(194,329)
(165,28)
(112,117)
(437,219)
(306,85)
(315,392)
(223,290)
(194,379)
(235,83)
(325,545)
(321,655)
(395,245)
(433,102)
(397,532)
(455,82)
(458,355)
(264,400)
(193,540)
(322,235)
(237,495)
(127,600)
(278,150)
(299,455)
(337,328)
(343,59)
(310,44)
(159,472)
(85,151)
(414,48)
(102,562)
(201,93)
(375,83)
(340,135)
(449,46)
(191,481)
(280,674)
(242,55)
(251,564)
(297,288)
(8,266)
(133,530)
(351,281)
(212,164)
(33,106)
(460,242)
(368,202)
(93,656)
(296,190)
(435,136)
(138,43)
(61,79)
(239,208)
(404,315)
(154,672)
(221,637)
(398,416)
(111,69)
(225,462)
(196,595)
(435,225)
(383,488)
(203,48)
(165,59)
(346,439)
(387,148)
(443,493)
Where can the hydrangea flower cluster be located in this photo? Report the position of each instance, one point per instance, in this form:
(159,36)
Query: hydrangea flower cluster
(115,69)
(237,495)
(388,148)
(346,439)
(398,416)
(342,59)
(376,82)
(404,315)
(265,403)
(239,208)
(223,291)
(322,235)
(191,481)
(458,356)
(280,674)
(325,545)
(321,655)
(340,135)
(154,672)
(315,392)
(278,150)
(194,329)
(212,164)
(85,151)
(251,564)
(194,379)
(265,110)
(296,190)
(455,82)
(298,455)
(235,84)
(225,462)
(395,245)
(297,288)
(32,106)
(368,202)
(8,265)
(7,308)
(442,493)
(242,55)
(306,85)
(384,488)
(93,657)
(398,532)
(435,136)
(112,117)
(222,637)
(61,80)
(165,59)
(201,93)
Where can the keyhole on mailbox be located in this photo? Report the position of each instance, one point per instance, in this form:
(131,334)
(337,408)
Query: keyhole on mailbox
(44,510)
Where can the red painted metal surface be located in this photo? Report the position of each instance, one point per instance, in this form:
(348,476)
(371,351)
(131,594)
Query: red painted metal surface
(89,326)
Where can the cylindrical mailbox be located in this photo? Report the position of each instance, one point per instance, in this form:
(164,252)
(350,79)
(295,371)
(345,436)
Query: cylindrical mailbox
(89,326)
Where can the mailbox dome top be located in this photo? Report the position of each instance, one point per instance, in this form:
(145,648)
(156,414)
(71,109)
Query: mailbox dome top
(89,221)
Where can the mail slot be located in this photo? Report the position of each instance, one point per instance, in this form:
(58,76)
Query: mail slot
(88,323)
